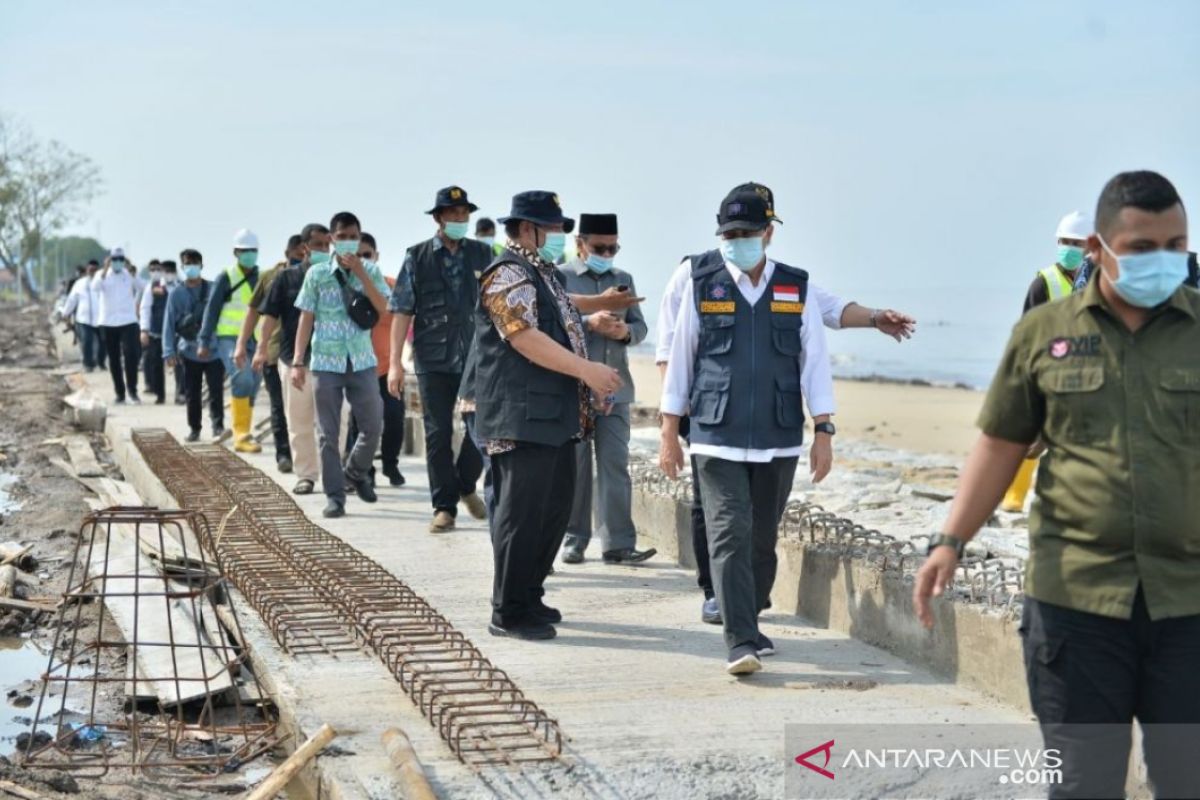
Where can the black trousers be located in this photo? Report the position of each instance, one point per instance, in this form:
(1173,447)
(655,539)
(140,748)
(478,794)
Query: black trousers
(1090,676)
(392,441)
(123,348)
(534,486)
(152,368)
(196,373)
(449,478)
(279,428)
(180,379)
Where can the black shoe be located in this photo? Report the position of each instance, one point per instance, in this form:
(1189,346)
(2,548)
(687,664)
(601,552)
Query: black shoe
(743,660)
(531,631)
(764,646)
(159,401)
(284,465)
(540,612)
(334,509)
(193,436)
(363,488)
(218,431)
(134,399)
(628,555)
(572,554)
(393,475)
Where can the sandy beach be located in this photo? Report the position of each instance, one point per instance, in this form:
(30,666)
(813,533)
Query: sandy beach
(919,419)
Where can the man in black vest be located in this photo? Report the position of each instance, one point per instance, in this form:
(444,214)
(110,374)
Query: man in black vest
(748,352)
(436,294)
(536,392)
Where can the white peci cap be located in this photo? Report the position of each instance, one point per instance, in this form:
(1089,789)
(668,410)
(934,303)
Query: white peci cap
(116,252)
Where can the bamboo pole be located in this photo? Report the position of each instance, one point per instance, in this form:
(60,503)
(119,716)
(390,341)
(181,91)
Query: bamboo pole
(283,774)
(413,783)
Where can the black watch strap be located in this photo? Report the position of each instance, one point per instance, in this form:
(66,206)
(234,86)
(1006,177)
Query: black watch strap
(946,540)
(825,427)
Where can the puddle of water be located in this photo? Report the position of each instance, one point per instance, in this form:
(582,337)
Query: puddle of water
(21,664)
(7,504)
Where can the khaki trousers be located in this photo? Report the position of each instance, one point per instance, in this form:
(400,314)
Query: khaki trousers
(300,408)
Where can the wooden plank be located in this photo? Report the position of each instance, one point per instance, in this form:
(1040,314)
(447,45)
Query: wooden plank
(83,460)
(172,653)
(26,605)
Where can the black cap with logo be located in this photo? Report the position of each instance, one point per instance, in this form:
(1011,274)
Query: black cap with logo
(450,197)
(748,207)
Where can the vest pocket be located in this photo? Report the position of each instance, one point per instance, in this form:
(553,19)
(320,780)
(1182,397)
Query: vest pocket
(789,411)
(542,405)
(716,334)
(710,397)
(785,333)
(431,300)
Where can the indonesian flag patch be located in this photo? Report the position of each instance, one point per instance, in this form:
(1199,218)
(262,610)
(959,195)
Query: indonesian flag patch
(786,300)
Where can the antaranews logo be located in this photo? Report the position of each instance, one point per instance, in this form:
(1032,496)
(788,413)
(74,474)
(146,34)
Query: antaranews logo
(827,749)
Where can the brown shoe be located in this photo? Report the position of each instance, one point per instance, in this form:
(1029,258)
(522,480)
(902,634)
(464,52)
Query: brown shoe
(474,506)
(443,522)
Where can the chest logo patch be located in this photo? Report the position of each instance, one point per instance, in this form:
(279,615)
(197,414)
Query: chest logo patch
(1065,346)
(719,300)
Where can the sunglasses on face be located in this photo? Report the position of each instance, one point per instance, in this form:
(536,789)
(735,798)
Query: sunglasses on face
(605,249)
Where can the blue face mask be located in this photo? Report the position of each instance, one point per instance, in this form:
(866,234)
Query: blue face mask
(490,241)
(318,257)
(553,249)
(192,271)
(345,247)
(743,253)
(118,264)
(248,259)
(1148,279)
(456,230)
(1070,256)
(597,264)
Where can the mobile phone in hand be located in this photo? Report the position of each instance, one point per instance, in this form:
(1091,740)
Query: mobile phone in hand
(623,287)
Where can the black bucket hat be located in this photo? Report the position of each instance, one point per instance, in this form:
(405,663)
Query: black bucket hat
(451,197)
(539,207)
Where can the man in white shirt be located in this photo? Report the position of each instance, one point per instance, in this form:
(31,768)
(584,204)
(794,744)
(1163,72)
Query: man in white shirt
(836,314)
(81,308)
(118,322)
(748,353)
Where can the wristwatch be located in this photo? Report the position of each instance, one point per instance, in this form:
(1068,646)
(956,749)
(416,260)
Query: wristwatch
(825,427)
(946,540)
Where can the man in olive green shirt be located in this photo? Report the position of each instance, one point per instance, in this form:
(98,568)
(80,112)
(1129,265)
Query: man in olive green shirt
(1109,378)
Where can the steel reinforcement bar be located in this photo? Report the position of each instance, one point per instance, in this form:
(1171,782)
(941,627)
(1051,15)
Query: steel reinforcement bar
(314,590)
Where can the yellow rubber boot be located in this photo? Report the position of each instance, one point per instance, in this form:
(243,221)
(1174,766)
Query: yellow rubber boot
(1014,498)
(243,441)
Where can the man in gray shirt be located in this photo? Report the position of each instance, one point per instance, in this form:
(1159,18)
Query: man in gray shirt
(609,336)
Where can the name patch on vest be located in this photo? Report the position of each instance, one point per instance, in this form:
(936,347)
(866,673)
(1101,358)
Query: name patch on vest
(719,300)
(782,307)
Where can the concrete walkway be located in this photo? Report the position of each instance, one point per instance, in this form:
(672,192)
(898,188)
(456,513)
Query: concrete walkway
(635,679)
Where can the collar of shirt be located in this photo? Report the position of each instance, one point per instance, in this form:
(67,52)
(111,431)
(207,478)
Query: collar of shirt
(1094,298)
(530,256)
(741,279)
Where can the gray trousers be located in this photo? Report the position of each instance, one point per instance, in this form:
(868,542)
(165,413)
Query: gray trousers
(743,503)
(614,517)
(361,390)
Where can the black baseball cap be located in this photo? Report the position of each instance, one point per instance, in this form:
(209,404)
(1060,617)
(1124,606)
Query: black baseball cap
(450,197)
(747,207)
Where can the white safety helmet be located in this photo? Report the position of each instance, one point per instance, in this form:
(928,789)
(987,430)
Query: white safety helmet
(245,240)
(1076,225)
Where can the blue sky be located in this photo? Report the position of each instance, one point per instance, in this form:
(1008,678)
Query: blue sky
(911,145)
